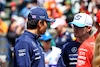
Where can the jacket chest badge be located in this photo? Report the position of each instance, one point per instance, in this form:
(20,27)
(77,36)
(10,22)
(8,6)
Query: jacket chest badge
(33,44)
(74,49)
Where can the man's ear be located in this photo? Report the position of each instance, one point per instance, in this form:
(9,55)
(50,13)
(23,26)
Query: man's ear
(89,28)
(97,25)
(39,23)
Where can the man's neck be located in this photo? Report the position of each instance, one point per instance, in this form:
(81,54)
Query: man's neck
(82,39)
(63,30)
(34,31)
(47,49)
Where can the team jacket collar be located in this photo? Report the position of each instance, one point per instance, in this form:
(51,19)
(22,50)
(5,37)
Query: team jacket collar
(95,35)
(31,34)
(61,34)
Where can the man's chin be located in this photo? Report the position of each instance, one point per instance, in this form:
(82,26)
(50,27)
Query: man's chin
(76,36)
(43,33)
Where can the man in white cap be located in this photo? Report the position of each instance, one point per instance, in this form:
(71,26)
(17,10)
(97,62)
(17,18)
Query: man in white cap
(63,36)
(86,50)
(82,25)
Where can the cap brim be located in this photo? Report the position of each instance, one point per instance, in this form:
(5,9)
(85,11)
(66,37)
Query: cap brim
(50,20)
(54,25)
(77,24)
(45,39)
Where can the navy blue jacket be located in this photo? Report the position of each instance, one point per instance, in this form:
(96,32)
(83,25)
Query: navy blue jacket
(70,53)
(62,39)
(27,51)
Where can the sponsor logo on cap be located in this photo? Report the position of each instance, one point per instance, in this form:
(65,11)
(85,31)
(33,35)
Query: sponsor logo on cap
(77,17)
(42,17)
(33,16)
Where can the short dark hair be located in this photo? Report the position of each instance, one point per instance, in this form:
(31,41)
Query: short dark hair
(32,24)
(33,1)
(97,24)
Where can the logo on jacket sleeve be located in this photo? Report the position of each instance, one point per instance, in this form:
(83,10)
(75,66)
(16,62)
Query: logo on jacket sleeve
(33,44)
(22,52)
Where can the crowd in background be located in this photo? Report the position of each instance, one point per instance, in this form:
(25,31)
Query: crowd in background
(18,16)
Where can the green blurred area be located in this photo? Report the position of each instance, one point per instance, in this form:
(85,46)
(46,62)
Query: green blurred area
(6,18)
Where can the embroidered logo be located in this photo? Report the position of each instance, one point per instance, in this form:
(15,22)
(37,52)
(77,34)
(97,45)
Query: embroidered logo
(77,17)
(42,17)
(33,16)
(74,49)
(33,44)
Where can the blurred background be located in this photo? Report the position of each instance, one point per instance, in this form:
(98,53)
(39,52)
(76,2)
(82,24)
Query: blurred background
(13,19)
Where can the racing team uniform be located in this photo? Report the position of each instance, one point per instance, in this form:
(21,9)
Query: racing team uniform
(70,53)
(27,51)
(62,39)
(85,52)
(52,55)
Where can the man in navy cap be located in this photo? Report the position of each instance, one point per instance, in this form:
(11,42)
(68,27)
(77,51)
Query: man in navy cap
(27,50)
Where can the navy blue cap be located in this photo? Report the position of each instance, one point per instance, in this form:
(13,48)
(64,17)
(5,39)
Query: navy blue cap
(39,14)
(46,36)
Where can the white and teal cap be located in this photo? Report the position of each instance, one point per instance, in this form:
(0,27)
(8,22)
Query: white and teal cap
(82,20)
